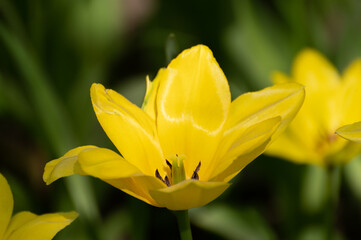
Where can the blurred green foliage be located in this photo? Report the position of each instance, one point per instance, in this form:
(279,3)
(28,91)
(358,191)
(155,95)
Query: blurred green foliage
(51,52)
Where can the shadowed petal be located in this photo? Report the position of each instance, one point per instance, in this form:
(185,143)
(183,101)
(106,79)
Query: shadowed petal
(239,163)
(6,205)
(138,186)
(131,130)
(188,194)
(193,104)
(242,147)
(28,226)
(282,100)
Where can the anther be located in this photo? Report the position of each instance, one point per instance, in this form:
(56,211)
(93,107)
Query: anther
(195,173)
(166,181)
(169,164)
(160,177)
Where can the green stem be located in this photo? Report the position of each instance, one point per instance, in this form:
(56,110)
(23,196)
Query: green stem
(184,225)
(333,188)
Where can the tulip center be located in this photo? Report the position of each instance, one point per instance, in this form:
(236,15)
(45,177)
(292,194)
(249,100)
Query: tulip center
(176,170)
(323,145)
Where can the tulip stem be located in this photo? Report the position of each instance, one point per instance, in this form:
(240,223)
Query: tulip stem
(333,188)
(184,225)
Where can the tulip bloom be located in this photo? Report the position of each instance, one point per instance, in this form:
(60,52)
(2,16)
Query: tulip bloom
(188,141)
(331,102)
(351,132)
(27,225)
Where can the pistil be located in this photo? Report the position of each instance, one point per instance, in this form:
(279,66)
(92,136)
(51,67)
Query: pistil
(177,172)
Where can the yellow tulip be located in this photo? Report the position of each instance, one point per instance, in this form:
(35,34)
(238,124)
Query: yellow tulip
(27,225)
(351,132)
(331,102)
(185,145)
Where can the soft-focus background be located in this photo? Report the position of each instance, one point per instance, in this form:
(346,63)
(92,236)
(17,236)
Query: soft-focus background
(52,50)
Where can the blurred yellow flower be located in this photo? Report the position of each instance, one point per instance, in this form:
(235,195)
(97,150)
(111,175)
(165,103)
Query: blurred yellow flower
(27,225)
(189,140)
(351,132)
(331,102)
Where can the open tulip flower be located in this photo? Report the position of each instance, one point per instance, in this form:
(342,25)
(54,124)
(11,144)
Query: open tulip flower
(188,141)
(331,102)
(27,225)
(351,132)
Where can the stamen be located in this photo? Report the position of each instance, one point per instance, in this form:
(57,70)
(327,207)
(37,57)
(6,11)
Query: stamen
(169,164)
(177,173)
(195,173)
(160,177)
(166,181)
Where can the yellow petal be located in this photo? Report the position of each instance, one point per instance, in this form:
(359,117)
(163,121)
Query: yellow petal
(238,164)
(193,104)
(138,186)
(242,147)
(131,130)
(89,160)
(319,116)
(351,132)
(105,164)
(289,146)
(310,122)
(188,194)
(6,205)
(27,226)
(322,84)
(65,166)
(351,94)
(149,105)
(18,220)
(282,100)
(314,71)
(278,78)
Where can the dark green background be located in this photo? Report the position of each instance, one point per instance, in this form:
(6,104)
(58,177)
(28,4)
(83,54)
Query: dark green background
(52,50)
